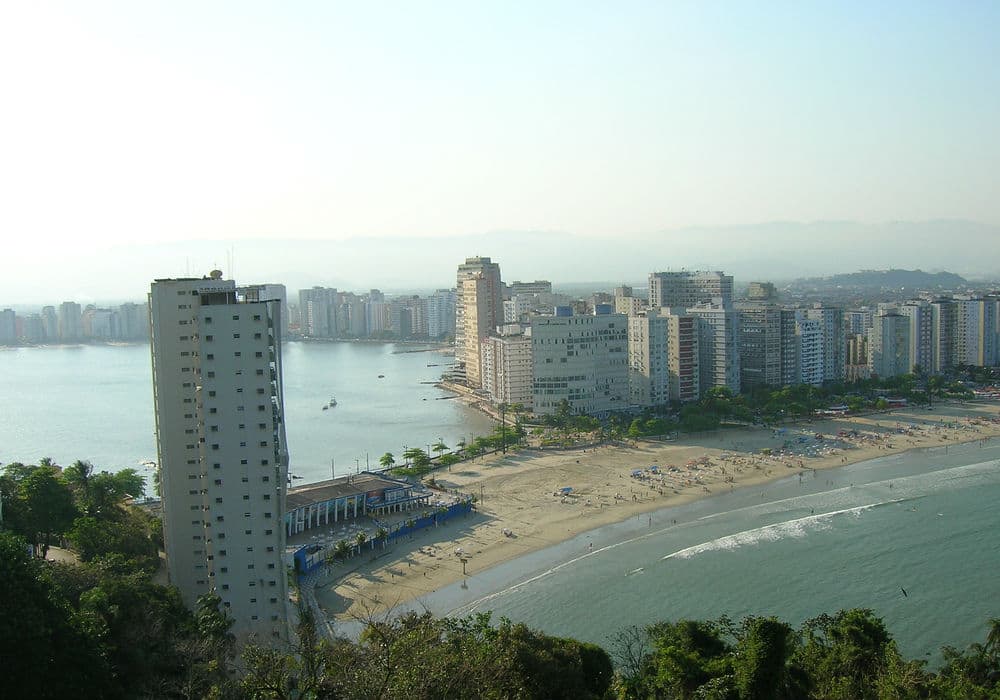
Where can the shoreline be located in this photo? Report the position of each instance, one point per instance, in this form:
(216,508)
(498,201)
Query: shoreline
(522,493)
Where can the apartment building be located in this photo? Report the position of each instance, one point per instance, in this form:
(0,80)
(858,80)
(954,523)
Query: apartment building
(889,345)
(217,393)
(582,359)
(507,367)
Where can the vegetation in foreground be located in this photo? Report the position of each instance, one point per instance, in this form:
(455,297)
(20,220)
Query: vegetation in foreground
(101,628)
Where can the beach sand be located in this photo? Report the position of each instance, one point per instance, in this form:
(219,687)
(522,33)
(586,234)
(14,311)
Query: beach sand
(522,508)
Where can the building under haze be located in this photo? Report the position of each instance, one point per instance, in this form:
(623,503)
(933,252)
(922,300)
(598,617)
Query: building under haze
(685,289)
(580,359)
(220,436)
(478,311)
(889,345)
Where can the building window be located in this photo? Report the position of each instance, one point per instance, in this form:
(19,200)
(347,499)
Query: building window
(266,478)
(237,354)
(209,338)
(268,532)
(236,318)
(264,462)
(236,336)
(258,354)
(244,461)
(250,566)
(225,587)
(211,393)
(256,336)
(246,497)
(210,356)
(218,482)
(256,317)
(211,374)
(217,466)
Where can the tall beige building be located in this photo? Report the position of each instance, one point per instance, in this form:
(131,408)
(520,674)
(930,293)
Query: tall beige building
(663,357)
(220,439)
(478,311)
(507,370)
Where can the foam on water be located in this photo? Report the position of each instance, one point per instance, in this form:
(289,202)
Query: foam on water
(797,528)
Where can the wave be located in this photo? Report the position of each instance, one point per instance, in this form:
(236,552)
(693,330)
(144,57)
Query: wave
(794,529)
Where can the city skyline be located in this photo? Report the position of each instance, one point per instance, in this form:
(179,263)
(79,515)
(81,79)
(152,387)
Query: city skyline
(395,138)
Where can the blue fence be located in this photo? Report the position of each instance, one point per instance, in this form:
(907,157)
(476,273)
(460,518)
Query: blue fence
(310,557)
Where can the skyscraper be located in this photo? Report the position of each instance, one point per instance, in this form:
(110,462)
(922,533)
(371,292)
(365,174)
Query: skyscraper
(484,300)
(217,392)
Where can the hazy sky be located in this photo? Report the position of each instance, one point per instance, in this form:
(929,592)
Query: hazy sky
(135,124)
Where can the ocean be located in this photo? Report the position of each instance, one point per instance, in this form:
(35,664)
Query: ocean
(855,536)
(95,402)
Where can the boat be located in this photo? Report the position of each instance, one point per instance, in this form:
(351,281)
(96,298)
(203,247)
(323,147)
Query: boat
(333,402)
(381,376)
(325,407)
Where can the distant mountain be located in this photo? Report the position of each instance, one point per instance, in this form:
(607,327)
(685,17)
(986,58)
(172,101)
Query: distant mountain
(891,279)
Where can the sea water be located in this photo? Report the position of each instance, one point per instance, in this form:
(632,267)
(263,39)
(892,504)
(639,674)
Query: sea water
(95,403)
(923,522)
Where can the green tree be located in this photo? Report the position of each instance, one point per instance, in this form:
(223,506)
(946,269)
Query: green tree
(844,653)
(387,460)
(439,447)
(47,506)
(762,665)
(46,649)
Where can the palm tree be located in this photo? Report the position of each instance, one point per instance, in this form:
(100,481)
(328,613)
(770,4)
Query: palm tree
(341,550)
(992,645)
(387,460)
(360,539)
(381,535)
(412,453)
(439,446)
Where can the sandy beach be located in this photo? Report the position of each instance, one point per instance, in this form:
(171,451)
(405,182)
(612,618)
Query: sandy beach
(523,507)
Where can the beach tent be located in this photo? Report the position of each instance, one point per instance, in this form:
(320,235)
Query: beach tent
(655,469)
(636,472)
(566,490)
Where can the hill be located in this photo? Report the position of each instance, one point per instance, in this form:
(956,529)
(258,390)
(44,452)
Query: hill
(889,279)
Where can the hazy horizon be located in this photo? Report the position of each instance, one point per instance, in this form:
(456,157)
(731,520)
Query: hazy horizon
(778,252)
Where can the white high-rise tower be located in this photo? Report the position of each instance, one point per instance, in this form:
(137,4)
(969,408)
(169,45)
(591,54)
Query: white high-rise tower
(220,437)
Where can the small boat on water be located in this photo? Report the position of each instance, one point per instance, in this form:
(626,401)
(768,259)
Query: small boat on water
(333,402)
(325,407)
(381,376)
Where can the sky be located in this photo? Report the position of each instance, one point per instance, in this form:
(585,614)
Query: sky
(362,142)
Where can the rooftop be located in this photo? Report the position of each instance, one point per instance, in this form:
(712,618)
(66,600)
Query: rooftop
(341,487)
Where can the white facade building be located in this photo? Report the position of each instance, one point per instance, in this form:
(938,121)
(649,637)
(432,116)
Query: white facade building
(217,393)
(582,359)
(809,334)
(507,369)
